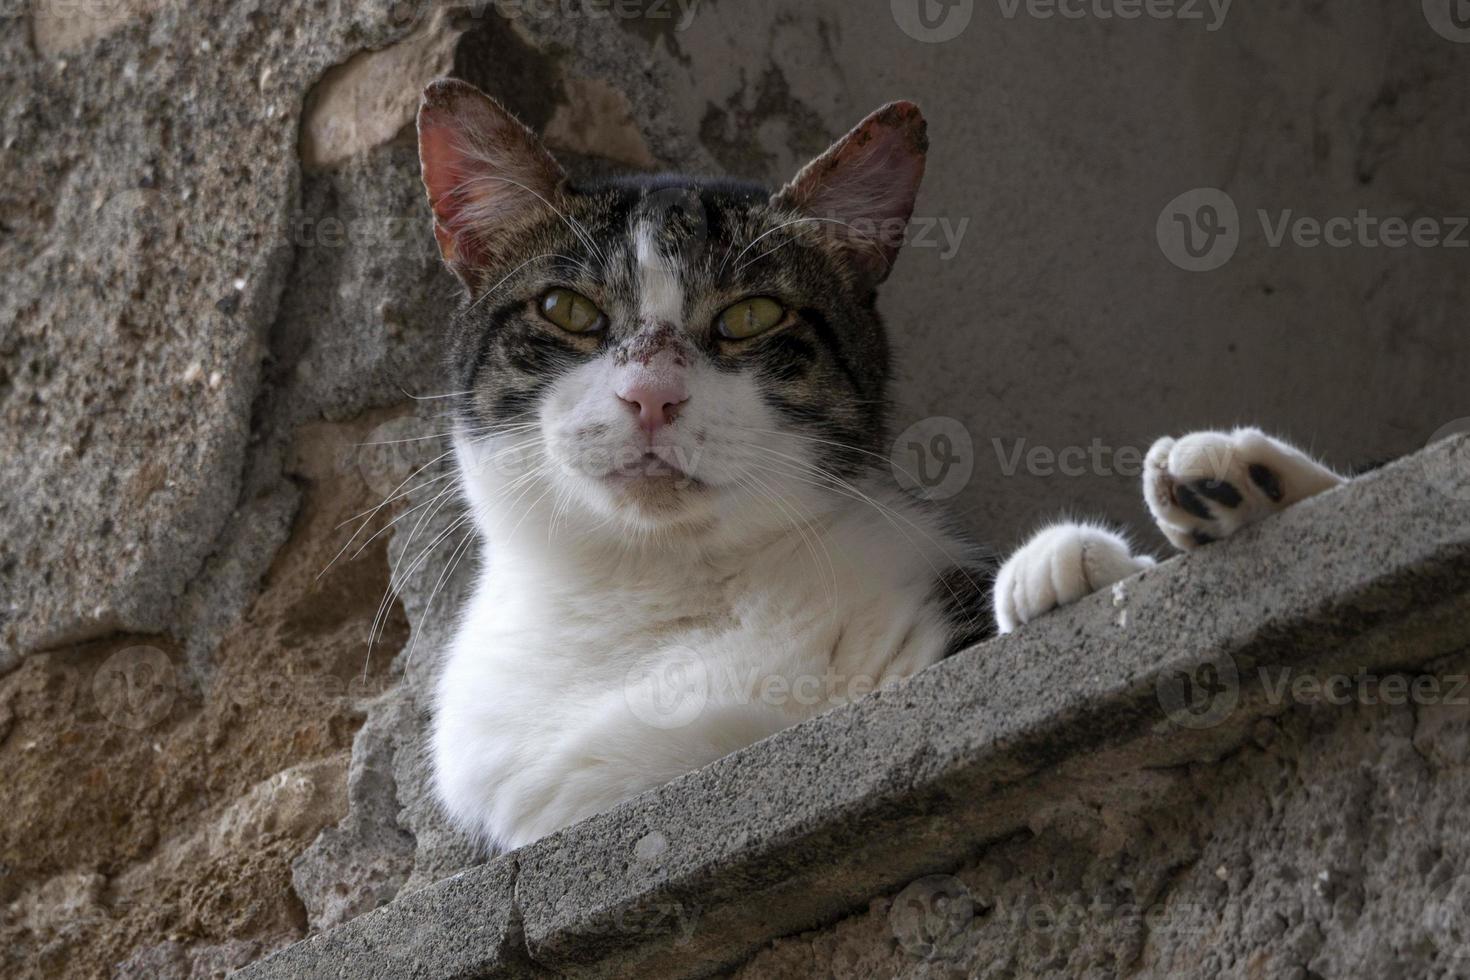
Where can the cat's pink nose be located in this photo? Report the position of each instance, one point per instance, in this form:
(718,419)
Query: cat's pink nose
(655,397)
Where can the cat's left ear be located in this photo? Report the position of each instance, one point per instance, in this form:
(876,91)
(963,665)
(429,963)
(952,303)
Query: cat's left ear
(862,189)
(485,172)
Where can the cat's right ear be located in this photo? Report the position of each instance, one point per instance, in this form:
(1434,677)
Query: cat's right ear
(484,171)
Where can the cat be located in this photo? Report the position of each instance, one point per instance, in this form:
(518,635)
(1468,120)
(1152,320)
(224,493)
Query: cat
(671,407)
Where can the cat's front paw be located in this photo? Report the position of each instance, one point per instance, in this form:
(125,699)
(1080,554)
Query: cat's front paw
(1058,566)
(1207,485)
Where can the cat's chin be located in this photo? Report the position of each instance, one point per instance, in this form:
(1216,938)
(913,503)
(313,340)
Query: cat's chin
(658,500)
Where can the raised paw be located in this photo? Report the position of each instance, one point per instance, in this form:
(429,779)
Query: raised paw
(1207,485)
(1058,566)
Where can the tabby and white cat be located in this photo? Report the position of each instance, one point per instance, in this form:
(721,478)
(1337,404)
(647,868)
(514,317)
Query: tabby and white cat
(670,435)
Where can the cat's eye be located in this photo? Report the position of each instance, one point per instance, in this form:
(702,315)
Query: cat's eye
(749,317)
(571,311)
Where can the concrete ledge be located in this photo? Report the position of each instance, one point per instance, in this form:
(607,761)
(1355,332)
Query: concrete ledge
(802,828)
(462,927)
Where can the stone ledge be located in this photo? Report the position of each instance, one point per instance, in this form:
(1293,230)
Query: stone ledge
(802,828)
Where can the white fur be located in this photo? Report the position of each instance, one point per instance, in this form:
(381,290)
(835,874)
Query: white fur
(763,598)
(1057,566)
(660,292)
(1067,561)
(1226,456)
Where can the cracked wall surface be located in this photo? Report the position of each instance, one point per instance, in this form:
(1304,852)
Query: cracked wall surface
(218,296)
(1331,845)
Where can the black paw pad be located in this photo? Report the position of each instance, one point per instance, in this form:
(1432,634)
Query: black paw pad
(1190,502)
(1267,480)
(1220,491)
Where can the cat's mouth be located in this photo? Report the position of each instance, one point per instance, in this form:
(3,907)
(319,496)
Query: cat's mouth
(654,471)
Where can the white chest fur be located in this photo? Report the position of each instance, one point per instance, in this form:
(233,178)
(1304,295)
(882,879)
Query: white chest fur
(579,678)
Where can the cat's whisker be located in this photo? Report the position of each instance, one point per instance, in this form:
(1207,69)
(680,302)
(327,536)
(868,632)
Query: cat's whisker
(454,557)
(396,581)
(842,486)
(862,240)
(572,223)
(393,495)
(396,584)
(846,447)
(535,258)
(429,398)
(451,488)
(802,526)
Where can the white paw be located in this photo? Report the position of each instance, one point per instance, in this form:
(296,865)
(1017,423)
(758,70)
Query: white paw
(1207,485)
(1058,566)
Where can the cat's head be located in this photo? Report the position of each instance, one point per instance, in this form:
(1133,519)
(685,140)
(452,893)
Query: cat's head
(663,352)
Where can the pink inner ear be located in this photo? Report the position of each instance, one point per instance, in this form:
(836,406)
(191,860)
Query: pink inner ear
(481,168)
(866,184)
(446,175)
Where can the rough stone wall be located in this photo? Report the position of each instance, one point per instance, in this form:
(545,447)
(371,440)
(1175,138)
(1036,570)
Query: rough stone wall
(1332,846)
(219,306)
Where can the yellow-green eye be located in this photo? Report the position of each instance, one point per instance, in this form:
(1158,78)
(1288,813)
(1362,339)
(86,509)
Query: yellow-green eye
(750,317)
(571,311)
